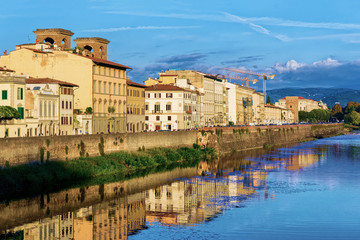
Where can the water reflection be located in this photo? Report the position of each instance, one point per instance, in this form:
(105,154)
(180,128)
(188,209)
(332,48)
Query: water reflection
(220,185)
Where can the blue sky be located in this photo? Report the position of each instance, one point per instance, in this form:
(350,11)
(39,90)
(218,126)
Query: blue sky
(305,43)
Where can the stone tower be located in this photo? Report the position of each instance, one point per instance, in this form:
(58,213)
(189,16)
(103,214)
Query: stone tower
(55,36)
(93,47)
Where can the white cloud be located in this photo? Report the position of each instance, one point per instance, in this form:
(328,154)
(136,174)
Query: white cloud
(328,62)
(139,28)
(288,66)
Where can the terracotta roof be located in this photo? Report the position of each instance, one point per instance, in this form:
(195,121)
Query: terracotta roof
(168,75)
(166,87)
(128,82)
(272,106)
(6,70)
(25,44)
(49,80)
(106,62)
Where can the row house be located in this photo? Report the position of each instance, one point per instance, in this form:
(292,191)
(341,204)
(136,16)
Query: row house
(135,120)
(212,89)
(169,107)
(12,89)
(49,107)
(102,83)
(278,115)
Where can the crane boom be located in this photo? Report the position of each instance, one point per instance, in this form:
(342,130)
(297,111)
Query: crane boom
(258,74)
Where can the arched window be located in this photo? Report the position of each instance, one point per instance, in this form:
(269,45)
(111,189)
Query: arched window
(49,40)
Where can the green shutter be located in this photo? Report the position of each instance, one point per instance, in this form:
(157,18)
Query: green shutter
(4,94)
(21,93)
(21,112)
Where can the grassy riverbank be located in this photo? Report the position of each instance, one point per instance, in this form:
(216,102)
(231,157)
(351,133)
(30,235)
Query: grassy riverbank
(28,180)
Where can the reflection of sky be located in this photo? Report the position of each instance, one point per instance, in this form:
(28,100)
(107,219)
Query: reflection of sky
(318,201)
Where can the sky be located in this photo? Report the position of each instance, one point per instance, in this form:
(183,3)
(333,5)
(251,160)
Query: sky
(304,43)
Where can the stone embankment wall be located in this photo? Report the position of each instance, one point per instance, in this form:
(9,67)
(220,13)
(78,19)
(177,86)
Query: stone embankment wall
(228,139)
(23,150)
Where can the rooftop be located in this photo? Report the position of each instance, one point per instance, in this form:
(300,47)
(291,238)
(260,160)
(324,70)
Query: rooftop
(54,30)
(92,39)
(48,80)
(4,69)
(128,82)
(166,87)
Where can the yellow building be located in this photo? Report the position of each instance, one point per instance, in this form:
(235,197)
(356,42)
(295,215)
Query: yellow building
(277,115)
(12,90)
(135,107)
(296,104)
(102,83)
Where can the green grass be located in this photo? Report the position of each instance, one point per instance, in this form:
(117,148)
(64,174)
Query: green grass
(29,180)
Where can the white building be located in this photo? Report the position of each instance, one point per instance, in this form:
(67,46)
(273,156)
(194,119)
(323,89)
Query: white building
(169,107)
(49,107)
(231,88)
(12,89)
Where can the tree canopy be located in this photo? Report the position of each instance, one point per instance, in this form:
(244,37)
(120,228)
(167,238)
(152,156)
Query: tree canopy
(8,113)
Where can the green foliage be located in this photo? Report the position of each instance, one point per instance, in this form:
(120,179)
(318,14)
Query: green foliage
(268,101)
(8,113)
(89,110)
(352,118)
(267,146)
(231,123)
(219,132)
(66,150)
(34,179)
(316,115)
(42,152)
(47,142)
(7,164)
(101,146)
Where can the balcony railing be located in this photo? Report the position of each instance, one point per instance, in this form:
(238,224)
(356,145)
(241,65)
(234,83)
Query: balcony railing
(157,111)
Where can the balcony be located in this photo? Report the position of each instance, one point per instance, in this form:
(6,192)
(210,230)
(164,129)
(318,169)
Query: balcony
(189,112)
(157,111)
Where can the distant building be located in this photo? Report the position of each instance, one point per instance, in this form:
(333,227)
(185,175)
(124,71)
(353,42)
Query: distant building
(296,104)
(277,115)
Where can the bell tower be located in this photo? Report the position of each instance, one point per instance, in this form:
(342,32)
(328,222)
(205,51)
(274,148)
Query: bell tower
(93,46)
(55,36)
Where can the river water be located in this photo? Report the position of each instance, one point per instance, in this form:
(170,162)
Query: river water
(307,191)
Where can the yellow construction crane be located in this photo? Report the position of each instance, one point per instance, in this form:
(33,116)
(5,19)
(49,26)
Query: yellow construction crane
(258,74)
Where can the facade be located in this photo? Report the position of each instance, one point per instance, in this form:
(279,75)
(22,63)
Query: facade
(12,90)
(277,115)
(232,103)
(135,115)
(296,104)
(83,124)
(244,105)
(213,89)
(49,107)
(102,83)
(258,108)
(169,107)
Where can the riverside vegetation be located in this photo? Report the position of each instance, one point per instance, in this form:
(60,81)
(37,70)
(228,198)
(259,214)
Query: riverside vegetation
(36,178)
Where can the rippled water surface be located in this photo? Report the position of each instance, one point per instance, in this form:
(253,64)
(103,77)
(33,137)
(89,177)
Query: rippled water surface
(307,191)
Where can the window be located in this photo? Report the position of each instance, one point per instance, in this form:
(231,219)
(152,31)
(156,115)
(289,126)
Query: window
(148,95)
(21,112)
(169,95)
(67,106)
(157,107)
(20,93)
(104,87)
(99,88)
(109,88)
(70,105)
(168,107)
(62,105)
(157,118)
(159,95)
(146,107)
(169,118)
(146,118)
(4,94)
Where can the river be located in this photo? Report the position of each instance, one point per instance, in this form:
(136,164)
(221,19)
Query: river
(305,191)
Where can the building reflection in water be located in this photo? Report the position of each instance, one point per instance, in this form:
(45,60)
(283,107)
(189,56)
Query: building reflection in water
(183,202)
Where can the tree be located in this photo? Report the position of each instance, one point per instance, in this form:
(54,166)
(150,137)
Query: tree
(88,110)
(337,112)
(303,116)
(352,118)
(268,101)
(8,113)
